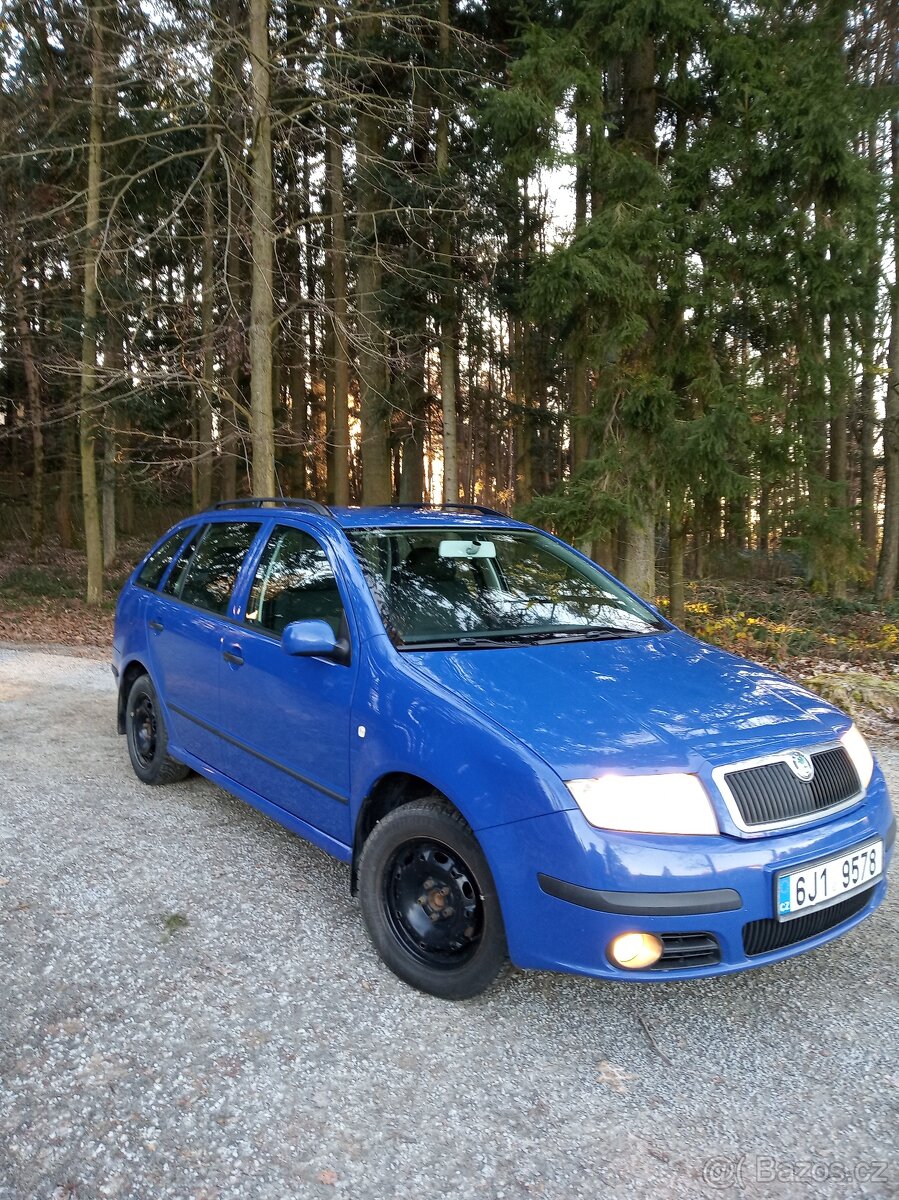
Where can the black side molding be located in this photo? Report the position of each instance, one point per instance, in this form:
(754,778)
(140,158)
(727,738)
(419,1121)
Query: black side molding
(643,904)
(272,762)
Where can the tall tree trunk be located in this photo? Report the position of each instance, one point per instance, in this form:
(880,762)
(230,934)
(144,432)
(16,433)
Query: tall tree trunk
(204,395)
(318,409)
(409,383)
(448,333)
(229,31)
(867,460)
(114,371)
(411,485)
(580,384)
(109,482)
(262,430)
(337,253)
(68,414)
(88,394)
(638,567)
(839,456)
(377,485)
(638,551)
(33,391)
(676,548)
(298,430)
(888,564)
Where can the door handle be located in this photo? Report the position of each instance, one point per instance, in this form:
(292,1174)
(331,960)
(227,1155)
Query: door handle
(156,626)
(231,657)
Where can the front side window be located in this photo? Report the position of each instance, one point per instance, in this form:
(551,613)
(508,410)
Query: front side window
(492,587)
(294,582)
(157,564)
(208,580)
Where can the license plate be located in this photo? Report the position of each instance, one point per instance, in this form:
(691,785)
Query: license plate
(826,882)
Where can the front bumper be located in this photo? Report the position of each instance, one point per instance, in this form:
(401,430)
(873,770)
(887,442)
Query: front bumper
(568,889)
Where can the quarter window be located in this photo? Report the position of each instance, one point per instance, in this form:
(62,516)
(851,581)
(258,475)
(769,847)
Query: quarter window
(209,579)
(172,586)
(294,582)
(157,564)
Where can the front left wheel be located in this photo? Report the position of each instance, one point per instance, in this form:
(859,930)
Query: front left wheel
(148,741)
(429,901)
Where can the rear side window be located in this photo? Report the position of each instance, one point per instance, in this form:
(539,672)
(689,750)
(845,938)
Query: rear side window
(294,582)
(208,581)
(157,564)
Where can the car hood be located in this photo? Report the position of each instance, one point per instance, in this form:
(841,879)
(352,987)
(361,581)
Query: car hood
(656,702)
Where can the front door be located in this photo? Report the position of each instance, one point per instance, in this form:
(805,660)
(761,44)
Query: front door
(286,719)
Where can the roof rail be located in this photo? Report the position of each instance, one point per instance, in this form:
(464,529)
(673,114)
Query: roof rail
(481,508)
(278,501)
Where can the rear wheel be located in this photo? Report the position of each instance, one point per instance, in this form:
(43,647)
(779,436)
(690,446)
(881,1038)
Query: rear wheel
(429,901)
(147,736)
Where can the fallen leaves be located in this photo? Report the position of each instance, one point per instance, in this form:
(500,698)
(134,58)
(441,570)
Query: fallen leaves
(614,1077)
(61,622)
(41,601)
(858,691)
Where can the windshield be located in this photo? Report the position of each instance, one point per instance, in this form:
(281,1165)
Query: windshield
(443,587)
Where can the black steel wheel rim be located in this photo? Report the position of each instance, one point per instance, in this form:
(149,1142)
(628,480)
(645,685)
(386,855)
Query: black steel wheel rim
(432,904)
(143,727)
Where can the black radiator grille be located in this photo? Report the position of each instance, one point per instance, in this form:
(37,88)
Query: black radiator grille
(771,793)
(761,937)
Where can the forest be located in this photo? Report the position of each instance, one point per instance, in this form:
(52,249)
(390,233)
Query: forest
(625,268)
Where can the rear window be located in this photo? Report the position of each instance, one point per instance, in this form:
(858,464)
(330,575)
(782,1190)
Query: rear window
(158,563)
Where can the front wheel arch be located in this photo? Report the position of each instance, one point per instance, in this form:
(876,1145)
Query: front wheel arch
(391,791)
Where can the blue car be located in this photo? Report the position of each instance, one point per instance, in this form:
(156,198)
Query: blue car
(519,758)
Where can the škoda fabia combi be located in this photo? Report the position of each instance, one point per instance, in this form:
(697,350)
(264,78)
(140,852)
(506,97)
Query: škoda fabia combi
(519,758)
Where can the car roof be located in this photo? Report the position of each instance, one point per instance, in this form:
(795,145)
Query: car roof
(400,516)
(386,516)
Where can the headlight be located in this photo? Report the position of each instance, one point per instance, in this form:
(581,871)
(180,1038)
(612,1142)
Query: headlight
(646,803)
(862,758)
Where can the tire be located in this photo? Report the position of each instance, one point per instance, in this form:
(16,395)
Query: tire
(148,741)
(429,901)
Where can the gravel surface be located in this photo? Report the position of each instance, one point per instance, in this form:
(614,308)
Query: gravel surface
(190,1008)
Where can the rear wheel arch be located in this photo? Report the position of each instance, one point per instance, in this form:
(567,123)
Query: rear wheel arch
(133,671)
(147,735)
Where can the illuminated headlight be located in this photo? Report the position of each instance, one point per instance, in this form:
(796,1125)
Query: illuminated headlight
(862,758)
(671,803)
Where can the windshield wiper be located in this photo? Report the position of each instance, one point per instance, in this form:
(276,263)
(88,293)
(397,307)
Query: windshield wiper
(523,637)
(470,642)
(601,633)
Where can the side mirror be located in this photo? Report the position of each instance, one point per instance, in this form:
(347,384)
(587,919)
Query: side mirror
(308,638)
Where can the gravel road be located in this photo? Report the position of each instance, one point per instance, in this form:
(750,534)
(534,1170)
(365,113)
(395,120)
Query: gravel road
(189,1008)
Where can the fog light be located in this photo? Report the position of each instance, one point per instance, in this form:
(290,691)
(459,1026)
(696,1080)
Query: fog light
(635,950)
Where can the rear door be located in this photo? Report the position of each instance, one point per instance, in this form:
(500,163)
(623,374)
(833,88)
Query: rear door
(286,718)
(187,623)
